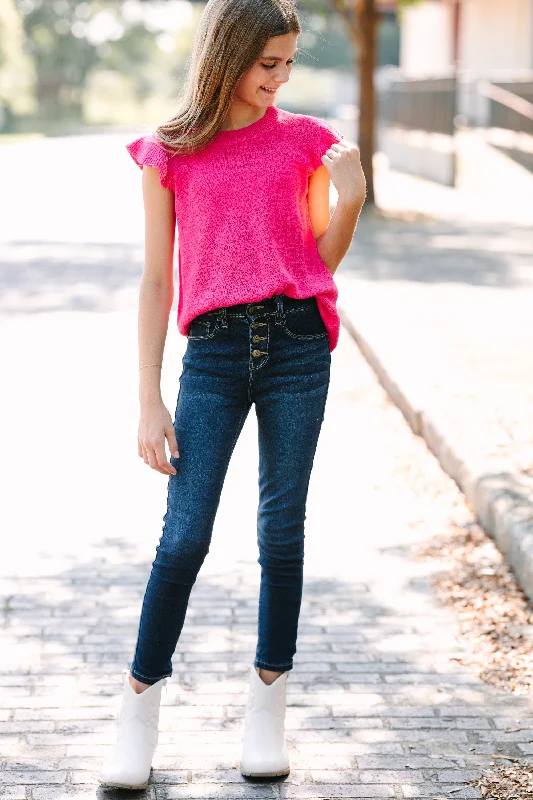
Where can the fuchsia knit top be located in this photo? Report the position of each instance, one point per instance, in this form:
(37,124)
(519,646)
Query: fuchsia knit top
(243,226)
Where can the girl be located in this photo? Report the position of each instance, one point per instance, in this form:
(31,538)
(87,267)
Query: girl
(247,184)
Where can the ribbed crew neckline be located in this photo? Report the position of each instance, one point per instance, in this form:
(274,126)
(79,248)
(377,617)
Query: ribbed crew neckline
(255,127)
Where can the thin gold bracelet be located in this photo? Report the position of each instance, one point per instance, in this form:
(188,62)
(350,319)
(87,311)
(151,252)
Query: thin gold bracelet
(150,365)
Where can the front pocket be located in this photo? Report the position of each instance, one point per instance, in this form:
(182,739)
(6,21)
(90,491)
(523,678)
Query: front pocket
(203,327)
(304,323)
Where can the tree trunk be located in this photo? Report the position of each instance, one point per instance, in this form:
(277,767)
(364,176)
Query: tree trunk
(368,19)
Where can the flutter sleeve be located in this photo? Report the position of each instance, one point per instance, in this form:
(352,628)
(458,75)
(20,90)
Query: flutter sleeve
(149,150)
(321,135)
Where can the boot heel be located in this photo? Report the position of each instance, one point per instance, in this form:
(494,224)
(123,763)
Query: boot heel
(130,760)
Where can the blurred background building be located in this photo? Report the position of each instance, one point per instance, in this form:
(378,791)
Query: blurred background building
(462,63)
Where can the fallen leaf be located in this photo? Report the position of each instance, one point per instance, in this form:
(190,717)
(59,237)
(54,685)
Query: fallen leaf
(509,758)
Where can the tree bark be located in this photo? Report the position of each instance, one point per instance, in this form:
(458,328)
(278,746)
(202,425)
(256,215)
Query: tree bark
(368,19)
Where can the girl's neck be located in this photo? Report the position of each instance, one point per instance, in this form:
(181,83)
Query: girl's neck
(241,116)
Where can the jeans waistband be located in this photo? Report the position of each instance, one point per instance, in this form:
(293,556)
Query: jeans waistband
(266,305)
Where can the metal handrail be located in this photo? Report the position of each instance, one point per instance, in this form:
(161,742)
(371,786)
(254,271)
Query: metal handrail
(507,98)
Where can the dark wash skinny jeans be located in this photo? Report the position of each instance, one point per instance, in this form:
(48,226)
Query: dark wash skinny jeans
(273,353)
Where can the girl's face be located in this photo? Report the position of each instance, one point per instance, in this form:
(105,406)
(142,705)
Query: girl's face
(270,71)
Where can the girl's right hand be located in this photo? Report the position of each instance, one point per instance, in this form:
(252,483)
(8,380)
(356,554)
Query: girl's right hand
(155,425)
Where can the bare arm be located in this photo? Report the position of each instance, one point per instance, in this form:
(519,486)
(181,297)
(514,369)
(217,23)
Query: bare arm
(335,242)
(156,292)
(156,295)
(344,166)
(318,201)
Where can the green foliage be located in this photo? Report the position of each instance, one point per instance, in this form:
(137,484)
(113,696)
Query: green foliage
(323,43)
(16,68)
(53,52)
(68,40)
(403,4)
(62,59)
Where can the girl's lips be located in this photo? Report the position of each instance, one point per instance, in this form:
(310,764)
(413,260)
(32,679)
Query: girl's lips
(270,91)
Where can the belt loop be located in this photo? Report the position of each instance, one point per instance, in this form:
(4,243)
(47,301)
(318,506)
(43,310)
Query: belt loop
(279,308)
(223,317)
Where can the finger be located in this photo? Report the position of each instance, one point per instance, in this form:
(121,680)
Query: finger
(152,460)
(341,145)
(162,460)
(172,442)
(332,153)
(145,454)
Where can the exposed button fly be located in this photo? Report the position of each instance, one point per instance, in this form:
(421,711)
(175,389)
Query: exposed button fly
(256,339)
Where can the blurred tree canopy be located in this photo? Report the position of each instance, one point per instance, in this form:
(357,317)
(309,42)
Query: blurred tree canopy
(68,39)
(59,57)
(16,67)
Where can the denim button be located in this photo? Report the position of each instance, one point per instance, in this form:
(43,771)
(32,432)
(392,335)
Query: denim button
(256,353)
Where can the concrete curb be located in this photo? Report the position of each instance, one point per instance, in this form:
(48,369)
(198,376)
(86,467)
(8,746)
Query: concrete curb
(501,498)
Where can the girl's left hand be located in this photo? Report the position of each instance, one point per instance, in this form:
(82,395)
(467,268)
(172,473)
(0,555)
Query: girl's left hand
(343,163)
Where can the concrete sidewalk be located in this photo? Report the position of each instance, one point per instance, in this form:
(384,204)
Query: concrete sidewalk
(441,306)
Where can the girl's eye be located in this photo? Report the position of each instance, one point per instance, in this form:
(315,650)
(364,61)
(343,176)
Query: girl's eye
(271,66)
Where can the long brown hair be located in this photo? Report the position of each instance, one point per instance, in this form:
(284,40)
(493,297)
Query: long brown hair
(230,37)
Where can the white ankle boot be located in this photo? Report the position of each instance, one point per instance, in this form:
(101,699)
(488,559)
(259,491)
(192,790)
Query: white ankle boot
(264,750)
(129,763)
